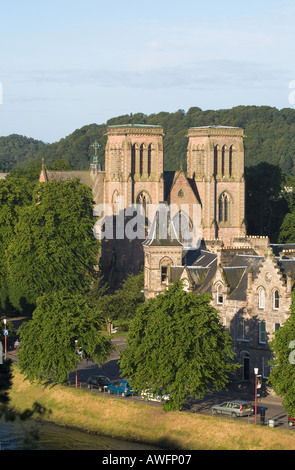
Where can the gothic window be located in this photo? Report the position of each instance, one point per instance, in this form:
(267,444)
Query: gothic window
(183,226)
(223,160)
(261,298)
(141,160)
(219,294)
(164,273)
(276,300)
(149,160)
(133,153)
(223,208)
(215,159)
(243,332)
(231,161)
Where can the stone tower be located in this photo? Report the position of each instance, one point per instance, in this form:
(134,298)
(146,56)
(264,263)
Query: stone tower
(134,164)
(133,175)
(215,161)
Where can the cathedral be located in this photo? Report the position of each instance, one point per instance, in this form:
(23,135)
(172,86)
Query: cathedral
(192,227)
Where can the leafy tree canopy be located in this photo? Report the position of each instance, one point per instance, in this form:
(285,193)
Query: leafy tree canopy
(177,344)
(47,342)
(53,246)
(282,376)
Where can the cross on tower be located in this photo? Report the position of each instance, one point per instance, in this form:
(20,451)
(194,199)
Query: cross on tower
(96,146)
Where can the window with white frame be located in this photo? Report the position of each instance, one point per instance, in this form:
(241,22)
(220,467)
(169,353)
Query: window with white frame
(276,300)
(261,297)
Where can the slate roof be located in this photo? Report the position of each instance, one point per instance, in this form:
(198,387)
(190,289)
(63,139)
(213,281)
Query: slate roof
(62,176)
(287,266)
(278,248)
(236,274)
(200,266)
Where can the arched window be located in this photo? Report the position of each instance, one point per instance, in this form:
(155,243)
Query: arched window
(223,208)
(149,160)
(215,159)
(223,160)
(141,160)
(276,300)
(133,152)
(219,294)
(231,161)
(261,298)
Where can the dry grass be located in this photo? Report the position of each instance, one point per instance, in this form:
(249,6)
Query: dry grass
(142,423)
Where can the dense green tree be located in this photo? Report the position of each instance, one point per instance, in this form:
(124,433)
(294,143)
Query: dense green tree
(15,149)
(265,205)
(61,165)
(287,232)
(282,376)
(53,246)
(47,342)
(177,344)
(15,193)
(124,302)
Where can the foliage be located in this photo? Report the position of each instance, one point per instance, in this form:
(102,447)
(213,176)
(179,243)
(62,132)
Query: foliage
(266,205)
(47,342)
(15,149)
(61,165)
(282,376)
(53,246)
(177,344)
(15,193)
(270,137)
(124,302)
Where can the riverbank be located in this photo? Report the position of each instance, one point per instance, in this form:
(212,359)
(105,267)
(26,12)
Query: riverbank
(139,422)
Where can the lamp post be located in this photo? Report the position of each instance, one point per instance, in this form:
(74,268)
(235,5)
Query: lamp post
(256,373)
(5,338)
(76,341)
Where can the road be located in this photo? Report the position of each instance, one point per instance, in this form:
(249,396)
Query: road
(272,405)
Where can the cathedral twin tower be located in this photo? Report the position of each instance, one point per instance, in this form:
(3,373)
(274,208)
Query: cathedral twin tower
(134,172)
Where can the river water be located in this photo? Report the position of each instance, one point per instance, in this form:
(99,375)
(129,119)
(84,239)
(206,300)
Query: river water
(46,436)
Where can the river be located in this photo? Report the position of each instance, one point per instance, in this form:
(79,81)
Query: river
(46,436)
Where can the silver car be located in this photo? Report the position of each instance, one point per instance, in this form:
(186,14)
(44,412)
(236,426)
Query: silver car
(234,408)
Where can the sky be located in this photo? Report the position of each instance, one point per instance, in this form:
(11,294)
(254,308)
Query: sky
(68,63)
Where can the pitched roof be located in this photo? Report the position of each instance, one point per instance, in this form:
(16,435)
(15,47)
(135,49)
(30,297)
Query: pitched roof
(63,176)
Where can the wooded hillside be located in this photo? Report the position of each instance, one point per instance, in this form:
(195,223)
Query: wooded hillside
(270,137)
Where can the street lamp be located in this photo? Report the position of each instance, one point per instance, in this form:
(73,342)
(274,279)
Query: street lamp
(5,338)
(256,373)
(76,341)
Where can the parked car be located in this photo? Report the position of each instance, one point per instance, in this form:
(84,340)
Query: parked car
(234,408)
(98,381)
(121,387)
(148,395)
(291,421)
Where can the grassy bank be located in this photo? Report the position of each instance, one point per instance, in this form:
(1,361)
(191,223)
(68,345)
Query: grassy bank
(139,422)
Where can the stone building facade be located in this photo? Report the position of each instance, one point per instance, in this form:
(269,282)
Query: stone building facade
(250,280)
